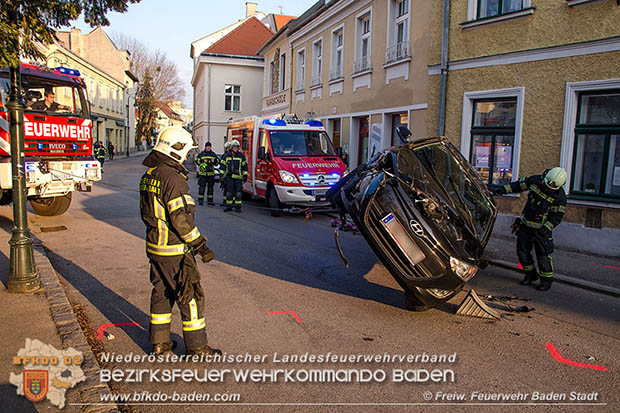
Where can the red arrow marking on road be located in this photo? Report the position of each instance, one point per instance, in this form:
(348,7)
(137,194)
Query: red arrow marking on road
(561,359)
(293,313)
(613,268)
(102,328)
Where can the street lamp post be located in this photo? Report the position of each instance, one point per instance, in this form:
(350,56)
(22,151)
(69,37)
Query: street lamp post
(129,95)
(23,274)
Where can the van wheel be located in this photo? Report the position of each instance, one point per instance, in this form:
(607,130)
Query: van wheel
(51,206)
(274,202)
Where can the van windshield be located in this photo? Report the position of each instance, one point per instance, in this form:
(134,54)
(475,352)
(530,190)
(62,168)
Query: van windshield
(301,143)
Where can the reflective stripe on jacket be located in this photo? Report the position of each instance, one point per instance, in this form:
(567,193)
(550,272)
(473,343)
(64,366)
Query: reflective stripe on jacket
(234,165)
(207,161)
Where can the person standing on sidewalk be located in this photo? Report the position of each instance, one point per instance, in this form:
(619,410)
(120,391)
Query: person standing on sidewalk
(111,150)
(236,173)
(206,161)
(172,240)
(543,211)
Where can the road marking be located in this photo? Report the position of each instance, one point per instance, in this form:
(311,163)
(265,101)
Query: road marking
(293,313)
(103,327)
(613,268)
(561,359)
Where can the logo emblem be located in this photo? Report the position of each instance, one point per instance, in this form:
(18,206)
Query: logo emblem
(320,179)
(416,228)
(36,384)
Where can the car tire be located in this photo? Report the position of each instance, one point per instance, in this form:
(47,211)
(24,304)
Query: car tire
(52,206)
(274,203)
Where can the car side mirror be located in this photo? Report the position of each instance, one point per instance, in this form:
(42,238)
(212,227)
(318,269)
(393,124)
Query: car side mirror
(403,133)
(261,153)
(339,151)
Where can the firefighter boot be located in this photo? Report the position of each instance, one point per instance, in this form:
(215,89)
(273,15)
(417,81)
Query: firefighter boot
(238,209)
(163,348)
(206,350)
(530,277)
(200,201)
(228,208)
(545,283)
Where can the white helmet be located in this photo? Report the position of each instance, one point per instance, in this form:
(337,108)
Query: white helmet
(234,142)
(227,145)
(175,142)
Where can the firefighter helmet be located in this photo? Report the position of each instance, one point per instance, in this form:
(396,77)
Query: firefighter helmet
(208,144)
(227,145)
(175,142)
(555,178)
(234,143)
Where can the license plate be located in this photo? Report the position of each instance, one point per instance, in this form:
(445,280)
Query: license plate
(402,239)
(321,198)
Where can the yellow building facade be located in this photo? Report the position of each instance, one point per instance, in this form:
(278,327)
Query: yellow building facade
(533,84)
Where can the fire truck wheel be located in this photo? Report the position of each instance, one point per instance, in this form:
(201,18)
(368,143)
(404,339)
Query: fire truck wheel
(52,206)
(274,202)
(6,197)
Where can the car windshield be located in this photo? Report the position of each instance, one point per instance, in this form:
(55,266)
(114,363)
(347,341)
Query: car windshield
(442,165)
(301,143)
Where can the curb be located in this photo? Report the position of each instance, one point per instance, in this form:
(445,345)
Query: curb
(575,282)
(70,331)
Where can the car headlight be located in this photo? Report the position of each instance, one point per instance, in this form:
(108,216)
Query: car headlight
(462,269)
(288,177)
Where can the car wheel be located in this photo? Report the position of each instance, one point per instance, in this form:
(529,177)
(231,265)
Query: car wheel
(274,203)
(52,206)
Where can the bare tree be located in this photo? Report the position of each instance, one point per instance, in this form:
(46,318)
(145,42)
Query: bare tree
(166,82)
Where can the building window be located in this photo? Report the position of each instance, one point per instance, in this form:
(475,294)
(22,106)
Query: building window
(317,63)
(337,54)
(232,98)
(596,157)
(398,119)
(492,139)
(362,49)
(282,72)
(398,31)
(100,95)
(273,77)
(301,70)
(490,8)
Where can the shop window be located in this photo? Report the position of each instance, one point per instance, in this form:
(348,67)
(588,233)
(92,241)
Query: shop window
(493,139)
(399,119)
(596,157)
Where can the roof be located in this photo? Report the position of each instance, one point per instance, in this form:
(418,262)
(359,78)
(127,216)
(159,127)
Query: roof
(168,111)
(281,20)
(315,10)
(274,37)
(244,40)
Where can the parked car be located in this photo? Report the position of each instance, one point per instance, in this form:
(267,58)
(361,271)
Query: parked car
(426,214)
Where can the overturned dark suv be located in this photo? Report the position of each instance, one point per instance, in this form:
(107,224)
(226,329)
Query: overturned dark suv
(425,212)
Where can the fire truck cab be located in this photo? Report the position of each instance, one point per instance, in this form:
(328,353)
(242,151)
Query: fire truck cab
(57,138)
(290,161)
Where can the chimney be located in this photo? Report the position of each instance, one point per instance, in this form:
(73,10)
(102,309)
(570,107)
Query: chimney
(75,37)
(250,9)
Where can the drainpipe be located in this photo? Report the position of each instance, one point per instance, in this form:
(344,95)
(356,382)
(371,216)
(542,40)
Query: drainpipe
(209,105)
(441,120)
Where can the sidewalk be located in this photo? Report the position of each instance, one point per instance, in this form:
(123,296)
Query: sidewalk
(604,271)
(46,316)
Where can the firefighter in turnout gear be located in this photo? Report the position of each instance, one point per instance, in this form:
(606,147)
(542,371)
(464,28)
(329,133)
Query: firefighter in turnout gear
(236,174)
(100,153)
(543,211)
(172,240)
(206,160)
(222,177)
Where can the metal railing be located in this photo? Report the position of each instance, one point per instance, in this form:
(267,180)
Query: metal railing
(399,51)
(362,64)
(299,85)
(316,80)
(335,73)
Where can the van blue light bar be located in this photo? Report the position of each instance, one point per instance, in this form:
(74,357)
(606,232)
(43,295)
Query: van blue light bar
(314,123)
(274,122)
(67,71)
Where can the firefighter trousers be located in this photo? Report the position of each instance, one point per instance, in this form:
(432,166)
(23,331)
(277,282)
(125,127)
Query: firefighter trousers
(208,182)
(527,238)
(234,192)
(165,273)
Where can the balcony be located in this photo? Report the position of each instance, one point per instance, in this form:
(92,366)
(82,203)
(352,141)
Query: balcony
(399,51)
(336,73)
(316,81)
(361,65)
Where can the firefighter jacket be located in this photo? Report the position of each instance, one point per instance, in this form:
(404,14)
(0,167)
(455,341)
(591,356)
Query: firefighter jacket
(235,165)
(545,207)
(207,161)
(167,208)
(100,152)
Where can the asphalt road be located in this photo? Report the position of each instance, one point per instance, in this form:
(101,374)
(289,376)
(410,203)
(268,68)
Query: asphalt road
(265,264)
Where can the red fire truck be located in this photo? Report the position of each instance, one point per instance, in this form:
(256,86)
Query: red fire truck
(57,138)
(290,161)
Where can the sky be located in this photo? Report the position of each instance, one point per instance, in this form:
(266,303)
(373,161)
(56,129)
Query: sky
(172,25)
